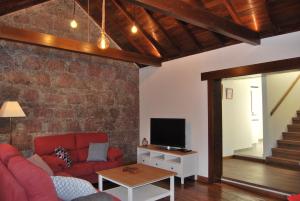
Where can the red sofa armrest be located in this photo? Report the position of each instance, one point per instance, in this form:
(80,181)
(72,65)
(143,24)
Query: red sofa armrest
(114,154)
(294,198)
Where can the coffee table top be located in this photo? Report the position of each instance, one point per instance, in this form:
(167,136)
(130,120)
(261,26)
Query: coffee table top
(143,175)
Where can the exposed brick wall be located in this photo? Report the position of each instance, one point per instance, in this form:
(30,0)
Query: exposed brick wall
(65,92)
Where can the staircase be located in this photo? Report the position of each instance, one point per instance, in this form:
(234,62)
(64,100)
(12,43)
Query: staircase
(287,152)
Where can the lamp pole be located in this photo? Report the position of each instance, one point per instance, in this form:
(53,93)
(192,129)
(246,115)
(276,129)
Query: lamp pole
(10,131)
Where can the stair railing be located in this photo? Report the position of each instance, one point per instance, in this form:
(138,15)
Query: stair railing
(285,95)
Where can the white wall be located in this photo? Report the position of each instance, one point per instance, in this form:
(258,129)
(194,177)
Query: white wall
(176,89)
(275,85)
(239,129)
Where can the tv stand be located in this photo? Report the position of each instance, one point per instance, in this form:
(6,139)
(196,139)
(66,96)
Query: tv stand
(168,148)
(185,164)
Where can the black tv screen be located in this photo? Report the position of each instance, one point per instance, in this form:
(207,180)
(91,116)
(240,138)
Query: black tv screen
(167,132)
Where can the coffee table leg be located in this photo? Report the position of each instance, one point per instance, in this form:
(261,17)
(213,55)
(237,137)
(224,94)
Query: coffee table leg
(172,190)
(130,194)
(100,183)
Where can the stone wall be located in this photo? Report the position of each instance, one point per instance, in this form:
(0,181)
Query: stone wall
(61,91)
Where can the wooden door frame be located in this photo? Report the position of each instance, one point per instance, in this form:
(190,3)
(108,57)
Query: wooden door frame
(214,93)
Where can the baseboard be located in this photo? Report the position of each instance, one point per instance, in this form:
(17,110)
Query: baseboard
(256,189)
(259,160)
(202,179)
(228,157)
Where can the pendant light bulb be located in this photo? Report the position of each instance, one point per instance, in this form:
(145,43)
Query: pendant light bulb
(103,41)
(134,29)
(73,24)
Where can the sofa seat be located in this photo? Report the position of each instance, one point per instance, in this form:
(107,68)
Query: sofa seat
(77,144)
(80,169)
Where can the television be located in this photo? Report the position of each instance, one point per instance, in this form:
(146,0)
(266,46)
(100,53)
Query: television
(167,132)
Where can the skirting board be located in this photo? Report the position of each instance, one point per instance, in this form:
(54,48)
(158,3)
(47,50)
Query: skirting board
(256,189)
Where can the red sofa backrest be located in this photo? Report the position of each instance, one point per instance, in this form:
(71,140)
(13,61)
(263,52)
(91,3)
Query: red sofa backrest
(77,144)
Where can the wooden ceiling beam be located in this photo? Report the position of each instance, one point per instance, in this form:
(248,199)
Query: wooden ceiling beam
(232,11)
(51,41)
(154,21)
(155,45)
(202,18)
(8,6)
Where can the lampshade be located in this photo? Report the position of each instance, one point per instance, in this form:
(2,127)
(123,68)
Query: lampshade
(11,109)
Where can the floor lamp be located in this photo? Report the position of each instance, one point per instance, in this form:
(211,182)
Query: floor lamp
(11,109)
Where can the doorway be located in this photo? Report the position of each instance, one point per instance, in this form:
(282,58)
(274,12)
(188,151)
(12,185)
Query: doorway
(215,105)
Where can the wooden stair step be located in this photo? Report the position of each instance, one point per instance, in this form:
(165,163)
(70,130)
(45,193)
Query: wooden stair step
(289,144)
(293,164)
(293,128)
(298,113)
(291,136)
(296,120)
(286,153)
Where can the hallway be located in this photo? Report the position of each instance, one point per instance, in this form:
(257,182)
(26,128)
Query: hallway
(277,178)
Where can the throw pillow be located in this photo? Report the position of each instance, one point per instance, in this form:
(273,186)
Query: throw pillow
(69,188)
(97,152)
(38,161)
(96,197)
(61,153)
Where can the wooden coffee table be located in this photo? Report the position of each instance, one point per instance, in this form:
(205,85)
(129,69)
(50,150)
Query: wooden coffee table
(137,184)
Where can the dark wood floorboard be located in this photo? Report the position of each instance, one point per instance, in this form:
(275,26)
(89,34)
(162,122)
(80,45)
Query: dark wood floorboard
(278,178)
(196,191)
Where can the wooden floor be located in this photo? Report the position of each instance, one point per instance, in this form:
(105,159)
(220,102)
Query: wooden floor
(262,174)
(196,191)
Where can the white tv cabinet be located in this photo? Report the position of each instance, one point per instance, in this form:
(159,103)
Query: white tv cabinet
(185,164)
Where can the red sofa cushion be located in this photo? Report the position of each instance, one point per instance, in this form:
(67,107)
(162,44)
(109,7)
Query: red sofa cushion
(83,141)
(294,198)
(6,152)
(114,154)
(10,189)
(36,182)
(79,169)
(56,164)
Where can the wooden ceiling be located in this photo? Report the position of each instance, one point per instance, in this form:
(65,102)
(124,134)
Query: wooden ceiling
(176,28)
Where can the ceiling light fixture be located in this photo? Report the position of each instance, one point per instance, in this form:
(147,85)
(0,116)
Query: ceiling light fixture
(134,28)
(103,41)
(73,22)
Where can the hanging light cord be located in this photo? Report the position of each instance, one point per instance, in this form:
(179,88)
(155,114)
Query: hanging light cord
(88,19)
(103,17)
(73,9)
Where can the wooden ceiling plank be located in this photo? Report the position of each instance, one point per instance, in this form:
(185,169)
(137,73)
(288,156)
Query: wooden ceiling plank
(202,18)
(155,45)
(154,21)
(190,34)
(51,41)
(275,27)
(232,11)
(220,38)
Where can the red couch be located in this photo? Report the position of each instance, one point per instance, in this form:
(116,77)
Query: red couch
(21,180)
(77,145)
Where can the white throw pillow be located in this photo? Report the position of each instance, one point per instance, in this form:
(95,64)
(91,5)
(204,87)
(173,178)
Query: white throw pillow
(69,188)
